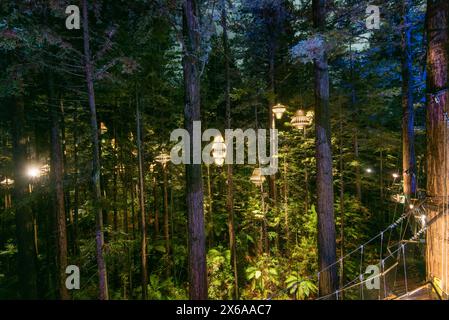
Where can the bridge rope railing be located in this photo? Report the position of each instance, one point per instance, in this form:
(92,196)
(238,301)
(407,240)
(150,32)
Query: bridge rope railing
(391,227)
(399,251)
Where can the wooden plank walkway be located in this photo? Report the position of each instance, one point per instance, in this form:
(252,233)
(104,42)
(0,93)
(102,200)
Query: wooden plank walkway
(422,293)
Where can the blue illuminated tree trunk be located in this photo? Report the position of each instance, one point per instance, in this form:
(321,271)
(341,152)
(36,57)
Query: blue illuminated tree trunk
(194,184)
(408,113)
(328,281)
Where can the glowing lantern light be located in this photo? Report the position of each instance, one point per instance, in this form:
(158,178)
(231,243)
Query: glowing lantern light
(279,110)
(219,150)
(7,182)
(301,120)
(103,128)
(257,178)
(33,172)
(45,169)
(163,159)
(399,198)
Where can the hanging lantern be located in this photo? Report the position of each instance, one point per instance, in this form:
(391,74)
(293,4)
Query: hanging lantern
(45,169)
(219,150)
(257,178)
(300,120)
(103,128)
(163,159)
(399,198)
(279,110)
(7,182)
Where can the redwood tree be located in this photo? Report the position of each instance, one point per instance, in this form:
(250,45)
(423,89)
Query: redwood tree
(26,258)
(57,178)
(325,194)
(143,229)
(408,113)
(229,169)
(194,184)
(437,130)
(96,168)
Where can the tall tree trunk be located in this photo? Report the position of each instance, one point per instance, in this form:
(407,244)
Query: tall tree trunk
(123,178)
(156,208)
(76,186)
(96,168)
(65,176)
(325,192)
(133,209)
(115,186)
(408,113)
(166,217)
(342,206)
(271,118)
(143,229)
(229,168)
(26,258)
(272,190)
(381,176)
(57,179)
(194,185)
(286,218)
(437,137)
(358,178)
(210,218)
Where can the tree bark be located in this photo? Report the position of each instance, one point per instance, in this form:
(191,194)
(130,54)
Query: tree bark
(325,192)
(96,168)
(194,185)
(437,137)
(76,249)
(408,113)
(156,208)
(342,206)
(209,221)
(358,179)
(57,179)
(26,258)
(166,216)
(271,119)
(143,229)
(229,168)
(286,217)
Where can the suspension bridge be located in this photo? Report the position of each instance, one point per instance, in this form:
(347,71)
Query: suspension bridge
(387,269)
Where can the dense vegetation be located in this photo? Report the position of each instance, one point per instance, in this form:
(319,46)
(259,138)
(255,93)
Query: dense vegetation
(93,108)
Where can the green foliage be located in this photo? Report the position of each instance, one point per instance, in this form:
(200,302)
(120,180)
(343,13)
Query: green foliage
(138,60)
(220,277)
(301,288)
(164,290)
(263,277)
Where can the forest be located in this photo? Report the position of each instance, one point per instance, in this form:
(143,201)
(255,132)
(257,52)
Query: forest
(224,149)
